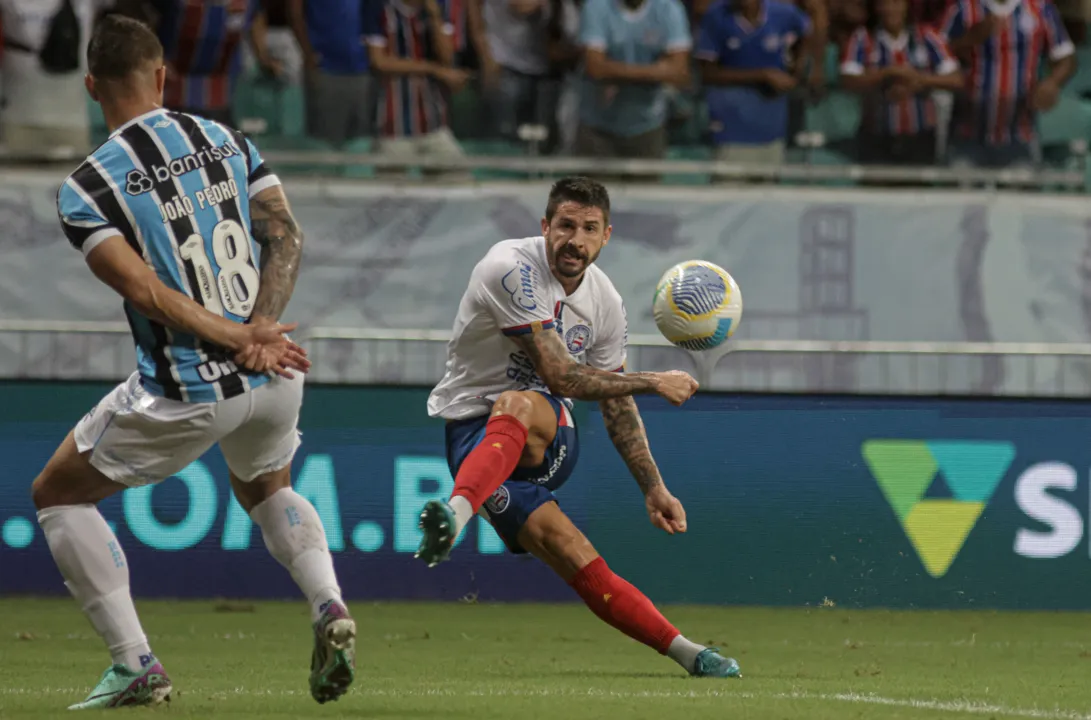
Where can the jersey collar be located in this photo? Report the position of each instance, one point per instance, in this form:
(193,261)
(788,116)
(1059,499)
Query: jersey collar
(1002,9)
(745,25)
(630,14)
(404,9)
(138,118)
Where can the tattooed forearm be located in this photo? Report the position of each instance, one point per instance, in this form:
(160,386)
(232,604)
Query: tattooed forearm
(281,241)
(626,430)
(567,378)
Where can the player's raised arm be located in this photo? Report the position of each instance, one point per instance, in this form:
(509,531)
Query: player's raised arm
(567,378)
(281,241)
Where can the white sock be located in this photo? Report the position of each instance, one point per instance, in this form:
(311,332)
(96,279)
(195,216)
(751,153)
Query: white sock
(463,510)
(684,652)
(95,570)
(294,536)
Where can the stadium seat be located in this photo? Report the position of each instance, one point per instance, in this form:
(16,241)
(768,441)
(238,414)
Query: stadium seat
(1080,84)
(496,148)
(833,66)
(1070,120)
(302,143)
(688,152)
(837,117)
(280,106)
(466,113)
(358,146)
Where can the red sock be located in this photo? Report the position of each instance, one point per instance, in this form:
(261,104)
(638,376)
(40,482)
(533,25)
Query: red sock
(491,463)
(620,604)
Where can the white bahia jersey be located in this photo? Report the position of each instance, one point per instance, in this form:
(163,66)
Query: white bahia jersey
(512,292)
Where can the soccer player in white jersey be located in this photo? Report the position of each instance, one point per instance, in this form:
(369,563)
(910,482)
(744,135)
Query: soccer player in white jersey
(541,325)
(170,212)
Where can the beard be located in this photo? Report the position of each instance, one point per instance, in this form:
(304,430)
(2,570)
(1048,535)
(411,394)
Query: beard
(570,262)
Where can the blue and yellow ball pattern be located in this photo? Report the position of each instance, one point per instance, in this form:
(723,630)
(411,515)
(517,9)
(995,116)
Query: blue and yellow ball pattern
(697,305)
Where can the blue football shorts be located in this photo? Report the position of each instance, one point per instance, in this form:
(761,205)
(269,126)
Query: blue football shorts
(528,488)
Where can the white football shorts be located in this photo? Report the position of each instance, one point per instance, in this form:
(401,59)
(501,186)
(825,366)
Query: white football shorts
(137,438)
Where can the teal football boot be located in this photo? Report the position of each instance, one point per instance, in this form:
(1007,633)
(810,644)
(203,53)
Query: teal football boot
(122,687)
(437,520)
(710,663)
(333,662)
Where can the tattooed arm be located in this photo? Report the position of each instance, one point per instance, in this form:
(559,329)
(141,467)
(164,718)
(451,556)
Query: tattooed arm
(281,241)
(567,378)
(626,429)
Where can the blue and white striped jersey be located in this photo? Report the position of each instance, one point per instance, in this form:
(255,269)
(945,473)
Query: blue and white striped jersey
(177,188)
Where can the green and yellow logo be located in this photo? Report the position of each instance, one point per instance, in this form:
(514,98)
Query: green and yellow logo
(907,469)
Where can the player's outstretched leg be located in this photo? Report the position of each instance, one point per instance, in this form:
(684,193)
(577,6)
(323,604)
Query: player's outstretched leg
(552,537)
(519,429)
(96,573)
(294,535)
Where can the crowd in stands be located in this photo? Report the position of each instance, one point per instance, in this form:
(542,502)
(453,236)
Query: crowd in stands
(932,81)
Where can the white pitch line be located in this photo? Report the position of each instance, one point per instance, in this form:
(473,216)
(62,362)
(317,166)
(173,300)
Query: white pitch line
(969,707)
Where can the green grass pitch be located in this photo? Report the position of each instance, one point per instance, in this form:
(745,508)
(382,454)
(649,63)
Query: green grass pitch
(486,661)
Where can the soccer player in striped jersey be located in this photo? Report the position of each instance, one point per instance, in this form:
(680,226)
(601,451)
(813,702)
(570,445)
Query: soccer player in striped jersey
(170,212)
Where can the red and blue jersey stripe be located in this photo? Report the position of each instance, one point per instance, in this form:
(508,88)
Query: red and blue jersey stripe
(201,40)
(456,12)
(1002,71)
(919,47)
(410,105)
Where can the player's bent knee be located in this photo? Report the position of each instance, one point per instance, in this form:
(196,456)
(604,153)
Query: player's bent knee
(254,492)
(517,404)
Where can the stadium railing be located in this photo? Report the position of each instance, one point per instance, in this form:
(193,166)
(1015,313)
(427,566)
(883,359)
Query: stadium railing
(361,166)
(47,350)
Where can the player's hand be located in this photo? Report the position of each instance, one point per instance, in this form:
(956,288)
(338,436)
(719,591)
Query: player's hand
(675,386)
(902,90)
(665,511)
(266,348)
(670,73)
(780,81)
(1046,95)
(453,78)
(900,73)
(276,360)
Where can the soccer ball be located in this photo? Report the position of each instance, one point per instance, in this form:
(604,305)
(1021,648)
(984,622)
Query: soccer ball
(697,305)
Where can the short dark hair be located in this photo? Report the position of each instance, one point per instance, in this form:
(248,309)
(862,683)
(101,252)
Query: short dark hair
(119,46)
(580,190)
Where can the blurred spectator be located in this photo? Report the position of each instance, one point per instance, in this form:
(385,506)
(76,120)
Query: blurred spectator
(743,49)
(276,51)
(201,44)
(44,61)
(632,49)
(413,53)
(338,85)
(845,18)
(897,67)
(928,13)
(565,58)
(1002,43)
(1075,15)
(520,89)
